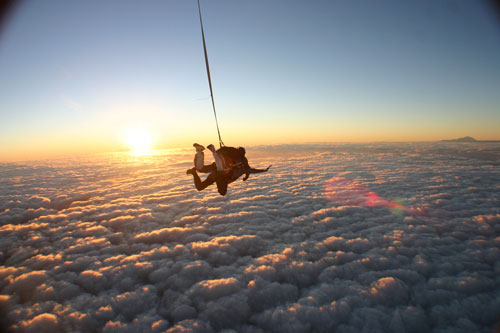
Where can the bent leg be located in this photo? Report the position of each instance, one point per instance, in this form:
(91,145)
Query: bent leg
(199,160)
(208,168)
(217,158)
(201,185)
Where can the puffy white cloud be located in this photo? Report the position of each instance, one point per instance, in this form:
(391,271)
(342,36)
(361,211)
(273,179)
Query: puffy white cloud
(345,238)
(91,281)
(191,325)
(164,235)
(208,290)
(25,284)
(263,295)
(130,304)
(389,291)
(45,322)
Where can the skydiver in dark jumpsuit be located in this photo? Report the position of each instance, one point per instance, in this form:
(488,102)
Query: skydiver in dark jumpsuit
(230,163)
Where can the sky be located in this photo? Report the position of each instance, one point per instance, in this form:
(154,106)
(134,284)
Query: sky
(76,77)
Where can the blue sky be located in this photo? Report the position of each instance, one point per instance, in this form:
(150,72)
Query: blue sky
(75,74)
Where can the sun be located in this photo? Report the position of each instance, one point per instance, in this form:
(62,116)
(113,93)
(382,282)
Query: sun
(138,140)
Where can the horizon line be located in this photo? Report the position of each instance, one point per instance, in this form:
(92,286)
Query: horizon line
(155,150)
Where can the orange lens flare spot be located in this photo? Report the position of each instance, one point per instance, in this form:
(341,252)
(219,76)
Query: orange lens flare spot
(343,191)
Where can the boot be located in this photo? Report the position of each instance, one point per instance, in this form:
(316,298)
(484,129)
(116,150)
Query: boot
(198,147)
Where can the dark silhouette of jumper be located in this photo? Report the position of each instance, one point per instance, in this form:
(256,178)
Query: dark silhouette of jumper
(230,163)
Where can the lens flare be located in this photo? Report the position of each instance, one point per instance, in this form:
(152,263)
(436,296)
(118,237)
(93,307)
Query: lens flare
(346,192)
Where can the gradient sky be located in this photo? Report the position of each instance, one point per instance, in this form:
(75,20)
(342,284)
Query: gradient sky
(74,76)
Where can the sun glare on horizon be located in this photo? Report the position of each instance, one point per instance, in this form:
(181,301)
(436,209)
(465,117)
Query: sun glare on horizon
(138,140)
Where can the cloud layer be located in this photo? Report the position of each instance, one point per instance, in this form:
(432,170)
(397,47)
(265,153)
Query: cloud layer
(124,243)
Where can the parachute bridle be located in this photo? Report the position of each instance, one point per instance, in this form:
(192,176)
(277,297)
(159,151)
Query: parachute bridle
(221,143)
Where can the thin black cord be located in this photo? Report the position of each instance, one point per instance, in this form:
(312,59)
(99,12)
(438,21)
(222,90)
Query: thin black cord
(208,74)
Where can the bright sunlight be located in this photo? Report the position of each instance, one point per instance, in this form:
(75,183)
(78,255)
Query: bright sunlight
(138,140)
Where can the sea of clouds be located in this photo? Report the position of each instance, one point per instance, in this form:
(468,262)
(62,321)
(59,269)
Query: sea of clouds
(344,238)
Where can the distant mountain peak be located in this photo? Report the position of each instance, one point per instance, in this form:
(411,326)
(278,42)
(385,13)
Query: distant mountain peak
(464,139)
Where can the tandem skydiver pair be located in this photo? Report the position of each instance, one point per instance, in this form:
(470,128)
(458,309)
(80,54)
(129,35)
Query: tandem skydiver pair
(230,163)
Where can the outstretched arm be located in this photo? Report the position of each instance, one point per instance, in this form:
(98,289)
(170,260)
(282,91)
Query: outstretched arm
(248,171)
